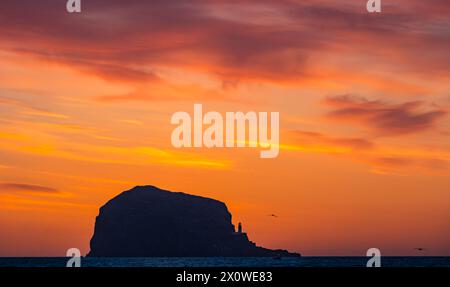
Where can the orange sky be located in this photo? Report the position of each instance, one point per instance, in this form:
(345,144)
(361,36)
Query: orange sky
(86,101)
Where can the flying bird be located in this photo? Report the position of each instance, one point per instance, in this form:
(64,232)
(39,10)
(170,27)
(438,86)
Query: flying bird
(420,249)
(273,215)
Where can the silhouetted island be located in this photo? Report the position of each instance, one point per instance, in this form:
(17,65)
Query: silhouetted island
(150,222)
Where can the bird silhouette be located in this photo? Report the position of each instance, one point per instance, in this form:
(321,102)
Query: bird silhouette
(273,215)
(420,249)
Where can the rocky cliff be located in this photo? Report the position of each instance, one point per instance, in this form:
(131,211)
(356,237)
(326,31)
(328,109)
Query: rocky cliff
(149,222)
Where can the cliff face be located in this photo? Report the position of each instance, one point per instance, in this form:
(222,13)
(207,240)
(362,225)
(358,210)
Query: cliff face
(149,222)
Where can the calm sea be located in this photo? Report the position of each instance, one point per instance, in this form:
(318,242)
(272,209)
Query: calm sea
(229,262)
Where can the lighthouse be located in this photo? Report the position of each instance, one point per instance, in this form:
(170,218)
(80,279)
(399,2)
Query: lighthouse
(239,228)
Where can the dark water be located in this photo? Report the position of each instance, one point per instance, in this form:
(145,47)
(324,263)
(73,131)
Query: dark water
(229,262)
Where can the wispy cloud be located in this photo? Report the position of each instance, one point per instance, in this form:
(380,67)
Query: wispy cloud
(319,139)
(30,110)
(407,165)
(381,158)
(384,118)
(46,145)
(23,187)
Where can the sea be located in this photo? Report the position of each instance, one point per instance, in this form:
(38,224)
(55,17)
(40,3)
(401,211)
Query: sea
(305,261)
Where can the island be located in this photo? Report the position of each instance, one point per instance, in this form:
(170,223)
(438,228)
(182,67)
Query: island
(146,221)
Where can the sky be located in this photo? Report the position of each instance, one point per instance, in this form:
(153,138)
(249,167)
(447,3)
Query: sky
(364,100)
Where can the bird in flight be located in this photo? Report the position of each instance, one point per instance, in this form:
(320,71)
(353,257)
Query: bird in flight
(273,215)
(420,249)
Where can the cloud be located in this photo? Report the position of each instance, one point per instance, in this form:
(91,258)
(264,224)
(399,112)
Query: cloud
(387,164)
(21,187)
(384,118)
(383,159)
(268,40)
(31,110)
(306,138)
